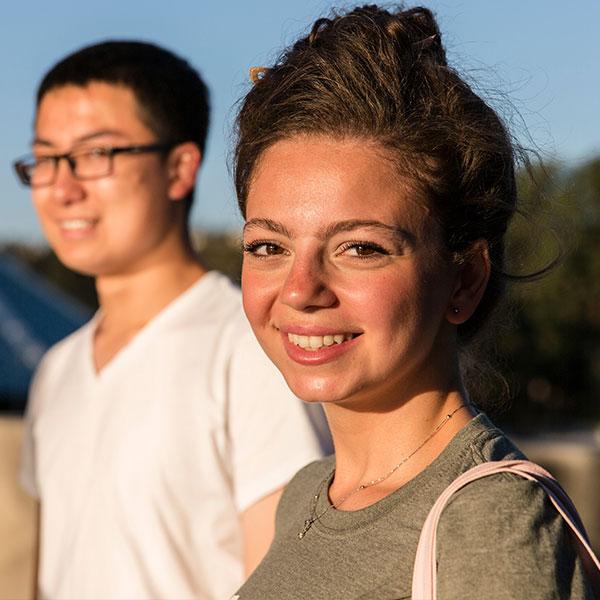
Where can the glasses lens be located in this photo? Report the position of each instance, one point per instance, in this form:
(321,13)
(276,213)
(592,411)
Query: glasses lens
(92,163)
(40,171)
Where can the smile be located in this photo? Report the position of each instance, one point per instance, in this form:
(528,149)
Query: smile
(312,343)
(76,224)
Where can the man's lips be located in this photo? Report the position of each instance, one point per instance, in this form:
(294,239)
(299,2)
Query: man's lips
(79,224)
(77,227)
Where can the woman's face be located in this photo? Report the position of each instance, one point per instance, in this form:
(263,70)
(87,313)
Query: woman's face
(345,281)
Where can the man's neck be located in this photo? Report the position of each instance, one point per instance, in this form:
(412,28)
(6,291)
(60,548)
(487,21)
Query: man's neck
(129,301)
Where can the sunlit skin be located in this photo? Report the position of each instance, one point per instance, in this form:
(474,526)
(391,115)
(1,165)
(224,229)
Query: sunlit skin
(336,243)
(130,222)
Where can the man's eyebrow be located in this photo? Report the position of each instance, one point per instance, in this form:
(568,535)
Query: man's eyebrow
(84,138)
(335,228)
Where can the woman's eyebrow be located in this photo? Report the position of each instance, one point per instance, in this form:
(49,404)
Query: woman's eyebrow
(399,233)
(268,224)
(352,224)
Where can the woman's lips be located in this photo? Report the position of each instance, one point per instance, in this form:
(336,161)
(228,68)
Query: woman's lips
(316,342)
(317,349)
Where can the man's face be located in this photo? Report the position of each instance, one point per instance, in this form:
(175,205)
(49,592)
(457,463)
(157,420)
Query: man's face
(118,223)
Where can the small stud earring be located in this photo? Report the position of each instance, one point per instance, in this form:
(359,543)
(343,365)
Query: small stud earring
(455,310)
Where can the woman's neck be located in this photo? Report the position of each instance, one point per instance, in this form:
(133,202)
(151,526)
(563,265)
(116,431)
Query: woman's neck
(369,444)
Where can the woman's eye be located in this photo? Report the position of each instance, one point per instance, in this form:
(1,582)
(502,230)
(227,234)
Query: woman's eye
(363,250)
(263,249)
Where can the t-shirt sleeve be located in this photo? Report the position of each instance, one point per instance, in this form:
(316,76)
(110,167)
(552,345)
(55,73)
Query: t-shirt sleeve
(502,538)
(270,431)
(27,467)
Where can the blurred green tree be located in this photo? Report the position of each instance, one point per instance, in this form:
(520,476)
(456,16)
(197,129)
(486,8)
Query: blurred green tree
(552,350)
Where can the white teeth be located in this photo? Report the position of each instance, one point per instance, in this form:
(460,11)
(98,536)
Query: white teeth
(74,224)
(302,341)
(315,342)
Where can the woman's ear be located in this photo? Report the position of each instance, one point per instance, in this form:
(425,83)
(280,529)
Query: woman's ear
(471,280)
(184,162)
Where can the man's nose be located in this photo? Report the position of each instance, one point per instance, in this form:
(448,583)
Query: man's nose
(308,285)
(66,187)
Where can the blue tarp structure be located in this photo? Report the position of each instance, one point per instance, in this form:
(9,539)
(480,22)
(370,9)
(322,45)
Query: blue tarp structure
(33,315)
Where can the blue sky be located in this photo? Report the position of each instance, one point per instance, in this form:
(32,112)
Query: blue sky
(543,54)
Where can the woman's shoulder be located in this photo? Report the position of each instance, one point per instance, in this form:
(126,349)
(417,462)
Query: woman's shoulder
(479,441)
(502,534)
(487,442)
(496,501)
(504,492)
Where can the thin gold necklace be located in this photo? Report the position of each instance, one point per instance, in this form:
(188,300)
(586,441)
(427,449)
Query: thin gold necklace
(316,517)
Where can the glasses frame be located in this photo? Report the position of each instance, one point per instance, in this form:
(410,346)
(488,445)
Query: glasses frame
(22,165)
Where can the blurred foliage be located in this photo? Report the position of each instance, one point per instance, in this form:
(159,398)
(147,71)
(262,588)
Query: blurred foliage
(549,347)
(552,349)
(220,251)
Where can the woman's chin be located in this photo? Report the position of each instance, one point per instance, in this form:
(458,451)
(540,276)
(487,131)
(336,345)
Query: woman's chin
(314,389)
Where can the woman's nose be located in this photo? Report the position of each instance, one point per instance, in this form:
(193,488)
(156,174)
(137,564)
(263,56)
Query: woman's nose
(308,286)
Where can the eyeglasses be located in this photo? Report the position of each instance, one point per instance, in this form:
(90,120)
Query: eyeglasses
(92,163)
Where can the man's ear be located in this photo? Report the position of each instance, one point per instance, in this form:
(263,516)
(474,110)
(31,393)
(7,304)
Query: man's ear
(183,163)
(471,280)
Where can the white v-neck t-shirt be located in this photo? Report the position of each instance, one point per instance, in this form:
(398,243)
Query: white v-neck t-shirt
(143,469)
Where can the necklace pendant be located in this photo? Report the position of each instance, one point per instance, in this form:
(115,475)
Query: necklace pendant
(307,525)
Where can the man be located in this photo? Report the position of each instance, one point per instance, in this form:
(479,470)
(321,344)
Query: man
(159,435)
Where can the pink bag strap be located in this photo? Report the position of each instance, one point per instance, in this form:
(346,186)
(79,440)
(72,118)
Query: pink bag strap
(424,574)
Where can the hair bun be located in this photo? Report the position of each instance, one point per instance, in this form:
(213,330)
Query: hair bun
(414,31)
(418,27)
(319,26)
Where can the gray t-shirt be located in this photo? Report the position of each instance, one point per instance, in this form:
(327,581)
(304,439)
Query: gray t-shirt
(499,537)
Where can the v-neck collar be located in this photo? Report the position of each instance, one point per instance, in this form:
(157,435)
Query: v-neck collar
(198,288)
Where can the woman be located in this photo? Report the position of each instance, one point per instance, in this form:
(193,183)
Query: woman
(377,188)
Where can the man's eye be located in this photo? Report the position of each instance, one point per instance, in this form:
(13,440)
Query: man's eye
(41,160)
(97,152)
(263,249)
(91,154)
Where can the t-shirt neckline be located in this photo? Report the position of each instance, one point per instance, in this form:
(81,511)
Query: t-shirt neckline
(340,522)
(193,293)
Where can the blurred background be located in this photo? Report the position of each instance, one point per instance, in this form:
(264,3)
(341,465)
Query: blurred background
(535,62)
